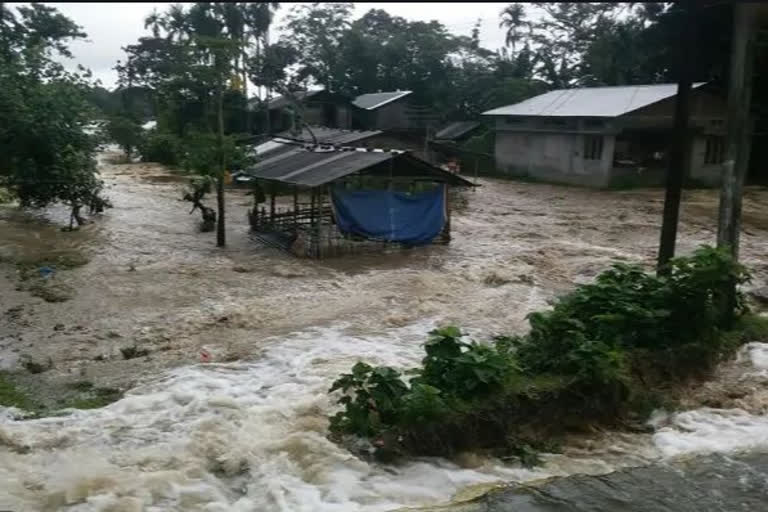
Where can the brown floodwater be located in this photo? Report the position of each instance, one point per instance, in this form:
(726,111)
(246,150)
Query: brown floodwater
(247,432)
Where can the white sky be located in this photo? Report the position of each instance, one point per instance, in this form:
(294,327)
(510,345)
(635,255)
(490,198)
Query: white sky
(111,26)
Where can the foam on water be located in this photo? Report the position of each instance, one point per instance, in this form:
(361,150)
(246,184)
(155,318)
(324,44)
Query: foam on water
(709,430)
(229,437)
(244,437)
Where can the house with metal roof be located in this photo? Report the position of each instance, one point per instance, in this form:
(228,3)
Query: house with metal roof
(318,107)
(395,111)
(326,195)
(457,131)
(607,136)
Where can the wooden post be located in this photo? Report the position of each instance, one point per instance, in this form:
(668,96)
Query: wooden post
(221,233)
(295,207)
(738,126)
(447,213)
(680,150)
(477,164)
(272,204)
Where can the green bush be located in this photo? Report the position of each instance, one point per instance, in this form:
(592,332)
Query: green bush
(125,132)
(588,359)
(163,148)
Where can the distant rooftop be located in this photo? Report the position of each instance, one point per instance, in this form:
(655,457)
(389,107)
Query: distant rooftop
(456,130)
(375,100)
(282,101)
(590,101)
(323,135)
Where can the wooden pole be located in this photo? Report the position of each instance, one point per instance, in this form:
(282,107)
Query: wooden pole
(221,233)
(738,130)
(272,203)
(679,160)
(295,207)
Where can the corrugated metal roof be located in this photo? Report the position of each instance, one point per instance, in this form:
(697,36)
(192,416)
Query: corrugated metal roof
(311,169)
(281,101)
(375,100)
(456,130)
(590,101)
(323,134)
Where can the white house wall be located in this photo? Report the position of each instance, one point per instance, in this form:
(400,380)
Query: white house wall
(554,157)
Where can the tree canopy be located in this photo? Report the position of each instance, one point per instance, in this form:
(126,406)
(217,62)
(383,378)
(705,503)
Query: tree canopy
(48,155)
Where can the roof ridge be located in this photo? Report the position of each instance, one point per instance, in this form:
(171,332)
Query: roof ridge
(693,84)
(608,101)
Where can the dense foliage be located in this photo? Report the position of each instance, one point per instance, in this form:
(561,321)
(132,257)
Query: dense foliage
(48,156)
(195,63)
(596,356)
(548,45)
(125,132)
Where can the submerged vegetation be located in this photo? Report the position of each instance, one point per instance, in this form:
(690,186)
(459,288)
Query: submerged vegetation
(76,395)
(603,354)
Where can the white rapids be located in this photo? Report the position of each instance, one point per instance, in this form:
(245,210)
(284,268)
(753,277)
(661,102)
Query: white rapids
(246,437)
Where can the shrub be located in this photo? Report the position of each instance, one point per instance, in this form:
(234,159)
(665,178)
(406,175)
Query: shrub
(163,148)
(125,132)
(589,358)
(372,400)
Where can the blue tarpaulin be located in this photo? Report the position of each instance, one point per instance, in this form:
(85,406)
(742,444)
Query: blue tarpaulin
(392,216)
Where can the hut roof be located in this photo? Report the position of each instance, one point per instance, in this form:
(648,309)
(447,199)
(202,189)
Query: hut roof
(312,167)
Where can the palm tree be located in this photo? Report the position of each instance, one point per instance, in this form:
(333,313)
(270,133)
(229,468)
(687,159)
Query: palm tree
(154,20)
(176,23)
(513,18)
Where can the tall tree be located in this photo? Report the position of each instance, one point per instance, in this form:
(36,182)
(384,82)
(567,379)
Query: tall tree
(317,30)
(192,62)
(48,156)
(513,18)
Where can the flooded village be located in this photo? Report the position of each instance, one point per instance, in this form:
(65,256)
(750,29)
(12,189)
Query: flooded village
(145,368)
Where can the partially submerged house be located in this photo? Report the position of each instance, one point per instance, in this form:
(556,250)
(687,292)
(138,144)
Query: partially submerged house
(319,107)
(447,151)
(394,111)
(457,132)
(327,198)
(606,136)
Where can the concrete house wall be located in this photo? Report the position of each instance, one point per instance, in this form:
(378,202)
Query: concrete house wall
(553,148)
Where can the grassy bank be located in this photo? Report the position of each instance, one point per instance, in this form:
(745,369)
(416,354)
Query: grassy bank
(31,280)
(606,354)
(74,395)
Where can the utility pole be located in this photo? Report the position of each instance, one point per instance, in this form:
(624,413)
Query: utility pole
(679,161)
(738,128)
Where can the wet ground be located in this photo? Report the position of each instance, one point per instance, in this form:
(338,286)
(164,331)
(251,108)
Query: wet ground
(247,432)
(154,282)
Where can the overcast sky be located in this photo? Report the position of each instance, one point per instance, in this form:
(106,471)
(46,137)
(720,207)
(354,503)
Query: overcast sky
(111,26)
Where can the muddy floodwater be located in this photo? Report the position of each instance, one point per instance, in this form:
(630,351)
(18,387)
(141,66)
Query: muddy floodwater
(246,431)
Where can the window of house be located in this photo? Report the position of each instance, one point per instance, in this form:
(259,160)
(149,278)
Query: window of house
(593,147)
(714,152)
